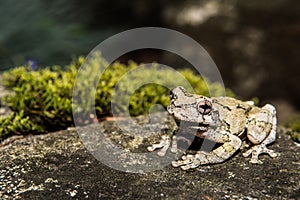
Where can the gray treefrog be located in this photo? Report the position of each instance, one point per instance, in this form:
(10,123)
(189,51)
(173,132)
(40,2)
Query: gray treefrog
(222,120)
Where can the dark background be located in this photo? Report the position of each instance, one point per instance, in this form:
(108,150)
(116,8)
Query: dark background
(255,44)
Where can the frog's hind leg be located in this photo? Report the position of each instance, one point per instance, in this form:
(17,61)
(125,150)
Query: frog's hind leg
(231,143)
(272,135)
(260,138)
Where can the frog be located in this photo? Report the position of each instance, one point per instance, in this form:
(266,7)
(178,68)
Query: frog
(223,120)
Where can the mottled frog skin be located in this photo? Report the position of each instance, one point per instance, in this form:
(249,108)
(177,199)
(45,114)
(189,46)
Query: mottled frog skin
(223,120)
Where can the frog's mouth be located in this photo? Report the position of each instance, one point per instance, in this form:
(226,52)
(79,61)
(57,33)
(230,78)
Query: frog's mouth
(192,126)
(202,119)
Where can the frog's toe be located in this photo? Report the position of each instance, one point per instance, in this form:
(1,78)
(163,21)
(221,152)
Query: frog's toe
(185,160)
(163,145)
(180,163)
(185,167)
(151,148)
(272,153)
(155,146)
(247,153)
(162,149)
(189,166)
(255,160)
(186,164)
(256,151)
(188,156)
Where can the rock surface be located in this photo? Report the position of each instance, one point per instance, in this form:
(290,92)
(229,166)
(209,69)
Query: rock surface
(58,166)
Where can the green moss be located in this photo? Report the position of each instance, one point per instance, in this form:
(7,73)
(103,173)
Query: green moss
(17,123)
(294,125)
(43,98)
(43,95)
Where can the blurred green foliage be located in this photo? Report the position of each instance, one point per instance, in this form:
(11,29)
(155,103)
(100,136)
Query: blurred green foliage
(43,31)
(44,97)
(50,31)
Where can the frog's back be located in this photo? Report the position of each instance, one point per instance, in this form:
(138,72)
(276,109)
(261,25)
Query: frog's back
(233,113)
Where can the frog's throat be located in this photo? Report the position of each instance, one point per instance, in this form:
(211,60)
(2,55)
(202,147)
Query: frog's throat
(191,125)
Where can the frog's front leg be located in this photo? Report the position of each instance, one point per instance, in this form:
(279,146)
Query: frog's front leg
(261,131)
(231,144)
(165,142)
(163,145)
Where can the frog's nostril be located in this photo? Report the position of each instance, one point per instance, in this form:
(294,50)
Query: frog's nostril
(171,95)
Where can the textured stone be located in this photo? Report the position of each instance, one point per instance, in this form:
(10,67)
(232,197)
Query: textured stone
(58,166)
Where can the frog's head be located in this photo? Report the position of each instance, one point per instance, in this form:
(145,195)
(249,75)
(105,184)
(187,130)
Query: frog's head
(190,107)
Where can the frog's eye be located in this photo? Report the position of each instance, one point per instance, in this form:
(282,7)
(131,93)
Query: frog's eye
(204,107)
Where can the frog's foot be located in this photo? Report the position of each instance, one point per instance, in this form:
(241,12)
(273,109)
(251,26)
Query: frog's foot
(256,151)
(189,161)
(163,145)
